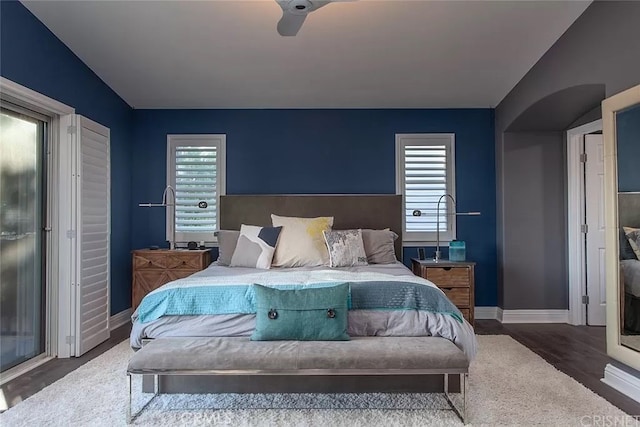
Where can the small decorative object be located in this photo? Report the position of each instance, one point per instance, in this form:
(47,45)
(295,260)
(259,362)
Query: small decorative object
(420,253)
(457,250)
(192,246)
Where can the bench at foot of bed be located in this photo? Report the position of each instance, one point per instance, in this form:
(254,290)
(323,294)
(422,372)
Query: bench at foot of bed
(361,356)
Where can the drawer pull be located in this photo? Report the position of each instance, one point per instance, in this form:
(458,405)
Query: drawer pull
(149,263)
(184,262)
(446,268)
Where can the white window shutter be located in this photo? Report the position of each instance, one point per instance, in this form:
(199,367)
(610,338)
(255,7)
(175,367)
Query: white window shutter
(196,181)
(425,173)
(425,181)
(196,172)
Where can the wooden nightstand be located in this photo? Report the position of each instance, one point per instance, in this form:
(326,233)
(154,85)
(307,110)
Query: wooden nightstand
(455,278)
(154,268)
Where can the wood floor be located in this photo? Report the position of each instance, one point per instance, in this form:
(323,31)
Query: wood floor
(578,351)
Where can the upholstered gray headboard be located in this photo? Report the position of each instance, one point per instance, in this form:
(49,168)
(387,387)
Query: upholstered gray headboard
(629,209)
(349,211)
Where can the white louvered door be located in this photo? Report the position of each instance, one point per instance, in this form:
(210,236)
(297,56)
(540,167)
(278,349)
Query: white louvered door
(85,188)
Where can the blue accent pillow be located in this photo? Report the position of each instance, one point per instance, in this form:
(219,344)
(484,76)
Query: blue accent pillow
(316,314)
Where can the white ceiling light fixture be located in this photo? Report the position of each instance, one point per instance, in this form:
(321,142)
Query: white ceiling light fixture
(294,12)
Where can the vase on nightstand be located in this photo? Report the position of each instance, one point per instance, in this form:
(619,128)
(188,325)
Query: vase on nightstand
(457,250)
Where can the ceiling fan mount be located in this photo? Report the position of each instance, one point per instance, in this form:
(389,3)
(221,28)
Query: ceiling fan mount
(294,12)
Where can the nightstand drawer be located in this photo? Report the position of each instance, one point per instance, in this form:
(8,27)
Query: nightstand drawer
(146,260)
(449,276)
(459,296)
(164,260)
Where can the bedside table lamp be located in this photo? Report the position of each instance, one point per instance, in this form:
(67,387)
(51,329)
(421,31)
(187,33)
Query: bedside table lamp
(166,204)
(437,257)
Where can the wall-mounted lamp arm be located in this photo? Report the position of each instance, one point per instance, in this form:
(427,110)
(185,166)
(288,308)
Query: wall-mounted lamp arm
(166,204)
(437,255)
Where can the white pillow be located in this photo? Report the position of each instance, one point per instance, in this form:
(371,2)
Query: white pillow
(301,243)
(346,248)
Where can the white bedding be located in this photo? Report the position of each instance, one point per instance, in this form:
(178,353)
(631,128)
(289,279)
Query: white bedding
(361,322)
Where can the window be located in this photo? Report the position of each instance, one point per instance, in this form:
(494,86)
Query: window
(196,170)
(425,172)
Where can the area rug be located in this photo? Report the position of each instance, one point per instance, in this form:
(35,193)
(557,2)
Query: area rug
(509,385)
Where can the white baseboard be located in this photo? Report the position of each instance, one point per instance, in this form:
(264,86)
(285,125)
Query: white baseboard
(535,316)
(622,381)
(119,319)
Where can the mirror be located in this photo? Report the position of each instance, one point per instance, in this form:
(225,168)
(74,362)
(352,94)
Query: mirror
(621,129)
(628,161)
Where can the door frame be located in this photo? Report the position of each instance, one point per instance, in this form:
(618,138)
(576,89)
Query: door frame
(576,262)
(23,96)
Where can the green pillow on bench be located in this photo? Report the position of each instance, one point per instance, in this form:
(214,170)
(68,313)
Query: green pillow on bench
(317,314)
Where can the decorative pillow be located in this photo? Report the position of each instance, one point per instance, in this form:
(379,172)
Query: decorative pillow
(378,245)
(345,248)
(227,240)
(301,241)
(316,314)
(626,251)
(633,236)
(255,247)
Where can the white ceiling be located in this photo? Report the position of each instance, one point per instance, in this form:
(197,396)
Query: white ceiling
(363,54)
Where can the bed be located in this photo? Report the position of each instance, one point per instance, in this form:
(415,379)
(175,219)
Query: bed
(419,308)
(151,322)
(629,216)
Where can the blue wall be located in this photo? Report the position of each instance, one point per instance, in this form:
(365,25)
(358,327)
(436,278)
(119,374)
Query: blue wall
(33,57)
(628,134)
(268,151)
(325,151)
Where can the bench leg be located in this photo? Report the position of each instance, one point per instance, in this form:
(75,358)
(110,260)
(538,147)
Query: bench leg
(461,410)
(130,415)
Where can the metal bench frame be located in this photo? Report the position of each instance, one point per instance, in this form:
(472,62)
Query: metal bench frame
(459,408)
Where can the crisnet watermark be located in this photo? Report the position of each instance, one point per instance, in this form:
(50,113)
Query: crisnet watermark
(610,421)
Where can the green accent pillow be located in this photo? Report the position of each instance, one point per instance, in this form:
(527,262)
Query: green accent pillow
(317,314)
